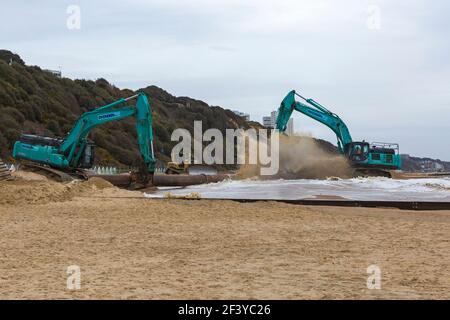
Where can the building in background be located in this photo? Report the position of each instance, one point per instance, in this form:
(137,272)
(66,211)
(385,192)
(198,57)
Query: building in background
(246,116)
(57,73)
(290,127)
(267,122)
(271,122)
(273,118)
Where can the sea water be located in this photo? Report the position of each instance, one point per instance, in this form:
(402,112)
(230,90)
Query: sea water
(433,189)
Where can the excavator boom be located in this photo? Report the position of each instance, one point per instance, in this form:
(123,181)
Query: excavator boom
(315,111)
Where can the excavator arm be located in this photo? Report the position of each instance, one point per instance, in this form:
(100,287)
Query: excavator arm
(315,111)
(68,153)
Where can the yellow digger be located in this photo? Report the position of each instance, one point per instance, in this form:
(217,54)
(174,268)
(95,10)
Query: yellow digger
(191,169)
(177,168)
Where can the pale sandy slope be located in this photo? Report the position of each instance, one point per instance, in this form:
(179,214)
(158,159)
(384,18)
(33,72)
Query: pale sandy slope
(158,249)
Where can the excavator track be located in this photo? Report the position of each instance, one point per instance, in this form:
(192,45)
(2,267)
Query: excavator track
(51,173)
(371,172)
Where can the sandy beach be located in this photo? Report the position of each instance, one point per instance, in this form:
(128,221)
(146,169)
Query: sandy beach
(129,247)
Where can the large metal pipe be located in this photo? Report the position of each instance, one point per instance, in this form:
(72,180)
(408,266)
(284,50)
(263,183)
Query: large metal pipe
(119,180)
(186,180)
(164,180)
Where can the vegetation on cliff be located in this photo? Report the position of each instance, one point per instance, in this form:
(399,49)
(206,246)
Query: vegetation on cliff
(36,101)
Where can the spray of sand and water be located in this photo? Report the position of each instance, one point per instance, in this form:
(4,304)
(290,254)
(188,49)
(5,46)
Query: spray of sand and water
(302,157)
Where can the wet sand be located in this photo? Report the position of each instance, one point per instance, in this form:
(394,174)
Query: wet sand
(136,248)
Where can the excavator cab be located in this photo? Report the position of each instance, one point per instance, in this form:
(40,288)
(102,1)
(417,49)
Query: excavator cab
(358,151)
(377,154)
(33,144)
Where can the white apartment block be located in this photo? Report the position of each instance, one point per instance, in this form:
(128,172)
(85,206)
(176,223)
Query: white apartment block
(271,122)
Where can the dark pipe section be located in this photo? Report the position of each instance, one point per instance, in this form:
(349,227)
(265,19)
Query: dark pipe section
(119,180)
(164,180)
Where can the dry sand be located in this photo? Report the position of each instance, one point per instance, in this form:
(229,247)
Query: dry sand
(136,248)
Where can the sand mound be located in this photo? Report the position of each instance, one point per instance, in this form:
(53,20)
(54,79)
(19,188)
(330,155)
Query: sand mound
(28,176)
(23,191)
(89,185)
(31,191)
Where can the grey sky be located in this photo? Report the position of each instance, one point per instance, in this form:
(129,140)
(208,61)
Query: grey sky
(389,84)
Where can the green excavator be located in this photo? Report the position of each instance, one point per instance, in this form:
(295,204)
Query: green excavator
(375,159)
(65,158)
